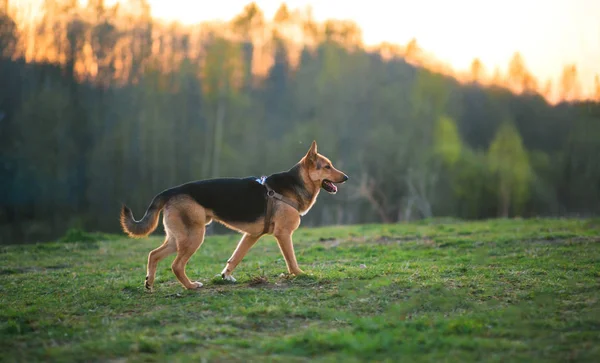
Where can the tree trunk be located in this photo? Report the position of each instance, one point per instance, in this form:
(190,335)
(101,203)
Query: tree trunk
(218,137)
(379,208)
(504,202)
(206,157)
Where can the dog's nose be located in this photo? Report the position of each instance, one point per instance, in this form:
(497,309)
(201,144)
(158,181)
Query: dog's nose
(345,178)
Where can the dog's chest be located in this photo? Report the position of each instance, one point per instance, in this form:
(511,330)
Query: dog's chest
(312,202)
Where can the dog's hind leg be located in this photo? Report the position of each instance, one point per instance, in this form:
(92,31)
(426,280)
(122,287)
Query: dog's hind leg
(186,247)
(242,248)
(155,256)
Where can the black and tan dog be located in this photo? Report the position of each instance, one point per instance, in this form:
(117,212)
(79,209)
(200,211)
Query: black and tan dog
(252,206)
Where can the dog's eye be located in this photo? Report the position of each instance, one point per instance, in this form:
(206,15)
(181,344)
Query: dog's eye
(327,166)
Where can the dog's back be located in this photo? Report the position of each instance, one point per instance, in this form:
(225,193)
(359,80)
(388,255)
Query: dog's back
(230,199)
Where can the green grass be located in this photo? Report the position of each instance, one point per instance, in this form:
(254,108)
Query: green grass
(506,290)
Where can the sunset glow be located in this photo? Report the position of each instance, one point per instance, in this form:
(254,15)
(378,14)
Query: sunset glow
(549,34)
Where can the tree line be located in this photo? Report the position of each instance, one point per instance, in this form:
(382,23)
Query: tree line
(102,105)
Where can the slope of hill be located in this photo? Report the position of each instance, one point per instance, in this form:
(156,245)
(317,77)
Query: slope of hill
(505,290)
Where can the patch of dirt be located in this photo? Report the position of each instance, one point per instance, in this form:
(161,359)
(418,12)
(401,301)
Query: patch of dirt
(325,239)
(265,323)
(386,240)
(565,241)
(56,267)
(330,242)
(383,240)
(22,270)
(11,271)
(427,242)
(259,280)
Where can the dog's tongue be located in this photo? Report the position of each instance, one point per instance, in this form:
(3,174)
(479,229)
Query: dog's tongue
(331,186)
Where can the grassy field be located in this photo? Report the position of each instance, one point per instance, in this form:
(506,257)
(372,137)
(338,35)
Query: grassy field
(507,290)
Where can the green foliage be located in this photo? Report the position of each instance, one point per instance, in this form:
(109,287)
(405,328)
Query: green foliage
(117,107)
(580,159)
(447,141)
(78,235)
(438,290)
(430,93)
(509,162)
(469,185)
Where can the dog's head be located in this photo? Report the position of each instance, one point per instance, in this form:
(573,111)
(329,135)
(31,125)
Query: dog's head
(320,170)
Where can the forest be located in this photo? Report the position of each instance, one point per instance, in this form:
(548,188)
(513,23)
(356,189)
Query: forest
(103,105)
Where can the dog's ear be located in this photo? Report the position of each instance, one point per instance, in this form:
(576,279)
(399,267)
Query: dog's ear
(311,155)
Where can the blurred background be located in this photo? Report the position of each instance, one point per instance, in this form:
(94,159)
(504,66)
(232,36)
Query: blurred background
(110,102)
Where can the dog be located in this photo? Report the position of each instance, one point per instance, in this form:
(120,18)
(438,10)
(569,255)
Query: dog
(252,206)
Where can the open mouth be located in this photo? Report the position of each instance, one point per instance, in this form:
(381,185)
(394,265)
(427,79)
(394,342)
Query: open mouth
(329,186)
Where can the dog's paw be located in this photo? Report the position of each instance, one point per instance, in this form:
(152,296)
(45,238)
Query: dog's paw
(147,285)
(196,285)
(228,278)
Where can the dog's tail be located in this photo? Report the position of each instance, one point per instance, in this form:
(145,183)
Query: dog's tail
(148,223)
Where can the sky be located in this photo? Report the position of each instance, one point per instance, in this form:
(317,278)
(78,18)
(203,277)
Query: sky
(548,33)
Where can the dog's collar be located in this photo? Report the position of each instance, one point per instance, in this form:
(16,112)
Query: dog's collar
(271,197)
(273,194)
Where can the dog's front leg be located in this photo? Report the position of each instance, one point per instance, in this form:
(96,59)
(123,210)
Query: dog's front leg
(284,240)
(242,248)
